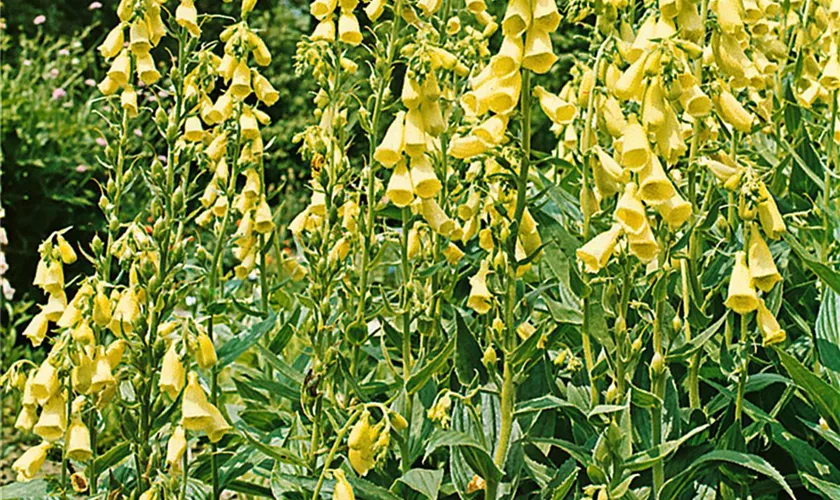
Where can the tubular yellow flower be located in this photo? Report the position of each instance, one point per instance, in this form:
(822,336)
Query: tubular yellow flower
(28,464)
(655,186)
(113,43)
(453,254)
(517,18)
(53,420)
(769,215)
(412,94)
(138,36)
(26,418)
(374,9)
(479,299)
(82,373)
(322,8)
(342,490)
(400,190)
(762,268)
(607,173)
(193,131)
(325,30)
(432,117)
(36,330)
(348,29)
(466,147)
(423,178)
(734,113)
(597,252)
(361,442)
(509,57)
(102,377)
(768,325)
(205,354)
(555,108)
(197,414)
(83,333)
(630,212)
(146,69)
(65,250)
(436,217)
(56,304)
(643,245)
(240,87)
(414,133)
(176,446)
(77,442)
(675,211)
(504,93)
(186,16)
(629,84)
(264,90)
(171,379)
(635,152)
(539,56)
(390,149)
(125,314)
(742,297)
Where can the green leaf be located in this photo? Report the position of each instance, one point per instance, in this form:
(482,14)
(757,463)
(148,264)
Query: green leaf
(419,379)
(423,481)
(468,354)
(823,396)
(238,344)
(247,488)
(648,458)
(30,489)
(688,349)
(701,465)
(827,332)
(828,275)
(829,490)
(474,454)
(579,453)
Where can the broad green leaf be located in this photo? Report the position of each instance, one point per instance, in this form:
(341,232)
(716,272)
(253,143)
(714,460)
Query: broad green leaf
(31,489)
(646,459)
(830,491)
(828,275)
(419,379)
(827,332)
(474,454)
(238,344)
(823,396)
(468,353)
(423,481)
(579,453)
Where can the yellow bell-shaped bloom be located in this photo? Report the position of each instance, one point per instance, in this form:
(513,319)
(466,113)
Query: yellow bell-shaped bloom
(65,250)
(655,187)
(28,464)
(400,190)
(607,173)
(322,8)
(101,309)
(264,90)
(555,108)
(469,209)
(423,178)
(695,102)
(613,117)
(197,414)
(114,352)
(103,377)
(138,36)
(509,57)
(263,220)
(262,56)
(414,134)
(432,117)
(492,130)
(45,383)
(128,101)
(222,109)
(629,84)
(157,30)
(675,210)
(82,373)
(545,15)
(504,93)
(113,43)
(248,126)
(769,215)
(361,441)
(193,131)
(734,113)
(126,313)
(240,87)
(36,330)
(517,18)
(763,270)
(630,212)
(466,147)
(172,374)
(176,446)
(539,56)
(480,299)
(436,217)
(50,277)
(205,354)
(768,325)
(374,9)
(412,93)
(120,68)
(342,489)
(77,442)
(26,418)
(83,333)
(186,16)
(324,31)
(56,304)
(653,111)
(53,420)
(390,149)
(597,252)
(108,86)
(348,29)
(728,13)
(643,245)
(453,254)
(742,297)
(635,149)
(146,69)
(723,172)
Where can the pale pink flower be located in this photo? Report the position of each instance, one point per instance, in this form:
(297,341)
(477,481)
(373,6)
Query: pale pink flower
(39,20)
(82,168)
(101,142)
(94,6)
(90,82)
(58,93)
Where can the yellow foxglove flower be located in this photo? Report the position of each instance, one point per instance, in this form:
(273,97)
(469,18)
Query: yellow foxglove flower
(539,56)
(82,373)
(263,220)
(476,6)
(216,150)
(733,112)
(264,90)
(45,383)
(400,190)
(324,31)
(262,56)
(517,18)
(138,36)
(390,149)
(77,442)
(555,108)
(630,212)
(436,217)
(221,111)
(226,66)
(26,418)
(120,67)
(629,84)
(423,178)
(114,352)
(607,173)
(742,297)
(763,270)
(432,117)
(412,93)
(492,130)
(348,29)
(769,215)
(771,332)
(635,149)
(113,43)
(728,13)
(361,442)
(414,134)
(102,377)
(669,8)
(723,172)
(146,69)
(83,333)
(485,239)
(695,102)
(530,242)
(653,111)
(545,15)
(504,93)
(240,87)
(414,246)
(108,86)
(655,187)
(339,250)
(156,28)
(597,252)
(197,414)
(322,8)
(374,9)
(53,420)
(176,446)
(193,131)
(509,58)
(28,464)
(643,245)
(453,254)
(469,209)
(101,308)
(36,330)
(342,489)
(466,147)
(613,116)
(126,313)
(675,210)
(65,250)
(55,306)
(205,355)
(186,16)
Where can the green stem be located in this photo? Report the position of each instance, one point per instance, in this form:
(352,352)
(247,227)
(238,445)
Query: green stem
(339,437)
(406,337)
